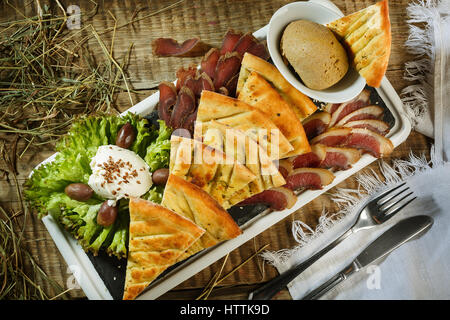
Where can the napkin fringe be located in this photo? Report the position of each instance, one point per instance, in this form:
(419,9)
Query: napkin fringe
(349,202)
(420,43)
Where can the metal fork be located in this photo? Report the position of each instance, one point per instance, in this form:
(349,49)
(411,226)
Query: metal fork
(377,211)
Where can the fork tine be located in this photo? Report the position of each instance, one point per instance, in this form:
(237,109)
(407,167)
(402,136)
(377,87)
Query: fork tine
(384,200)
(386,206)
(389,213)
(380,196)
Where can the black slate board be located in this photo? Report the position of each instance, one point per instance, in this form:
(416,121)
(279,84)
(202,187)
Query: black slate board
(112,270)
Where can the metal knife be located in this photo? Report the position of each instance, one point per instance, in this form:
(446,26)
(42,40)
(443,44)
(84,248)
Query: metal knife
(404,231)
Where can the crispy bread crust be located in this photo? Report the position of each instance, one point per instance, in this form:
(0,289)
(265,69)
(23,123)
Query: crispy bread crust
(258,93)
(239,115)
(210,169)
(157,237)
(301,104)
(246,151)
(195,204)
(368,41)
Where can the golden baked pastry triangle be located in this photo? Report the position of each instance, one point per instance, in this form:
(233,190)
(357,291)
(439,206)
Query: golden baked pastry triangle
(157,238)
(258,93)
(301,104)
(198,206)
(246,151)
(208,168)
(367,37)
(239,115)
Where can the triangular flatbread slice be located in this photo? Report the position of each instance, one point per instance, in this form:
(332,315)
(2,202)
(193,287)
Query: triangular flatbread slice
(239,115)
(300,103)
(157,238)
(198,206)
(208,168)
(246,151)
(258,93)
(367,36)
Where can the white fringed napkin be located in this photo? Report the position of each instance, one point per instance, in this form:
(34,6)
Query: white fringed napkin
(427,101)
(419,269)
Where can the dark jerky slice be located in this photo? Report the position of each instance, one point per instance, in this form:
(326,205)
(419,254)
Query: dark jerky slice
(183,74)
(184,106)
(245,43)
(209,62)
(167,47)
(189,122)
(259,49)
(229,41)
(167,99)
(198,84)
(227,67)
(232,85)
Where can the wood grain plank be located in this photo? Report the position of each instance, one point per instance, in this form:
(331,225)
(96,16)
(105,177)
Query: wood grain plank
(208,20)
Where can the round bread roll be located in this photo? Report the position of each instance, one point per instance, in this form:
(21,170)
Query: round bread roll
(315,54)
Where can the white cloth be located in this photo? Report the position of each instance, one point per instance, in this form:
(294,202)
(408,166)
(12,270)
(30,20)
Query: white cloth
(419,269)
(427,100)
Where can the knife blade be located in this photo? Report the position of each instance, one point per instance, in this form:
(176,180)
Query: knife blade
(402,232)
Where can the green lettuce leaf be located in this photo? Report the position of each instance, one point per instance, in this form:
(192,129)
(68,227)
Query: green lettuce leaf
(45,188)
(158,152)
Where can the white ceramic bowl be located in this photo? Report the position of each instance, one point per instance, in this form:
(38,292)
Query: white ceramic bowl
(348,87)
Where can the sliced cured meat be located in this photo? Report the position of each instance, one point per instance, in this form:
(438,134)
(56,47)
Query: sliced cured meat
(167,47)
(198,84)
(227,67)
(209,62)
(231,85)
(189,122)
(340,158)
(183,74)
(242,43)
(337,113)
(309,178)
(278,198)
(369,112)
(333,137)
(259,50)
(311,159)
(167,99)
(184,106)
(229,41)
(245,43)
(285,167)
(316,124)
(377,126)
(369,142)
(331,107)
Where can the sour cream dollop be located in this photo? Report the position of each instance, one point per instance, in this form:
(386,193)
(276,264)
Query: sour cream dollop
(119,173)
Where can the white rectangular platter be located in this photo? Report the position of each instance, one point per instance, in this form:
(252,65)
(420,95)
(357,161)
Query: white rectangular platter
(91,282)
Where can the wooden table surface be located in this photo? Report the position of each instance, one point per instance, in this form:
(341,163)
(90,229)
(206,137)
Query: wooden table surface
(208,20)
